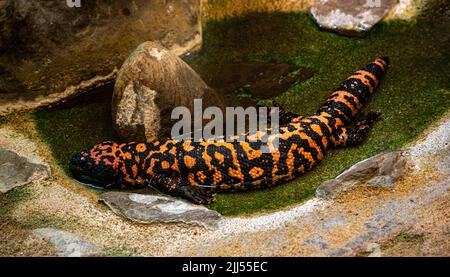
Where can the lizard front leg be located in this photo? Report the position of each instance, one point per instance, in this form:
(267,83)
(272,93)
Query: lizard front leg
(177,187)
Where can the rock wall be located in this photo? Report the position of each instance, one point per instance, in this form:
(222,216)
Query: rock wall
(50,51)
(219,9)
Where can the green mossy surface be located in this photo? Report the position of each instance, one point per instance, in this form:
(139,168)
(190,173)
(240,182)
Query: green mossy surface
(120,251)
(69,130)
(40,220)
(13,197)
(414,94)
(406,236)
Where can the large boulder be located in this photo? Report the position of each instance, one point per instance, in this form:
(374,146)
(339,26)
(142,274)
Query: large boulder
(151,82)
(350,17)
(50,51)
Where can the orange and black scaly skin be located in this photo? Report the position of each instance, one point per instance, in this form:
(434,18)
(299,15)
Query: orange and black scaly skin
(195,170)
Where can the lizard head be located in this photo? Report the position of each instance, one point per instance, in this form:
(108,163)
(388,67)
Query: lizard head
(97,167)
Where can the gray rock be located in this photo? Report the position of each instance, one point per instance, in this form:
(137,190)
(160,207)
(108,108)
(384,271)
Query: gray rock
(151,82)
(350,17)
(17,170)
(218,10)
(382,170)
(49,51)
(158,208)
(68,244)
(374,249)
(316,243)
(436,142)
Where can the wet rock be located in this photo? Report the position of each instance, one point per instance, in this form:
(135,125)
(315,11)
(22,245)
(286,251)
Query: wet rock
(382,170)
(243,84)
(350,17)
(68,244)
(158,208)
(49,51)
(151,82)
(17,170)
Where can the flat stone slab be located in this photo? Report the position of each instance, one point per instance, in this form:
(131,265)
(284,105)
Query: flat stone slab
(382,170)
(350,17)
(144,208)
(17,170)
(68,244)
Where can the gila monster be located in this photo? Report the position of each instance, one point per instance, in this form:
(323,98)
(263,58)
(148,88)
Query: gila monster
(196,170)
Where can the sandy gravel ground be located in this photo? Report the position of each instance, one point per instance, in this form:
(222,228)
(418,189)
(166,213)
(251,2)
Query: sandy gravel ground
(410,219)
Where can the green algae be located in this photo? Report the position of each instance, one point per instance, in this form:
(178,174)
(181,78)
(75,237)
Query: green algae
(120,251)
(40,220)
(69,130)
(13,197)
(415,91)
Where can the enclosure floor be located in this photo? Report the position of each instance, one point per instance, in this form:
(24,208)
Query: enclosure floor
(414,95)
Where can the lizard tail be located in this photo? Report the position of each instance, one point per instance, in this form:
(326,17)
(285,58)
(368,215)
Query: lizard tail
(349,98)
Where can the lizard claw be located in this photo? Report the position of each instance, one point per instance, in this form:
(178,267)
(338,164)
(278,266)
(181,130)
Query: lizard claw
(373,117)
(197,195)
(367,119)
